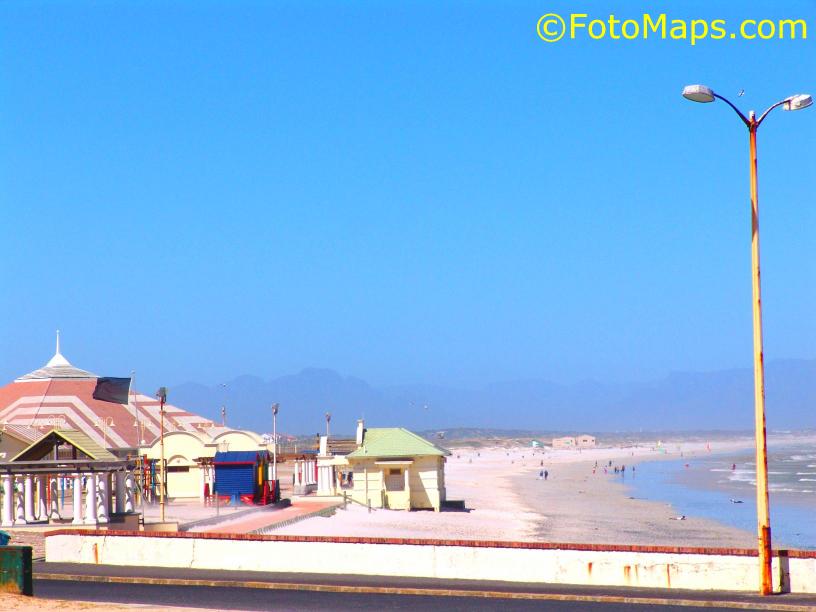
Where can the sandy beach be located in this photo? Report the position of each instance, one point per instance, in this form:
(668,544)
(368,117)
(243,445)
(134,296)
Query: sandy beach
(506,500)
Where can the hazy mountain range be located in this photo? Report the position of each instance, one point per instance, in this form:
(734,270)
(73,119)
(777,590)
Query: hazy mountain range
(680,401)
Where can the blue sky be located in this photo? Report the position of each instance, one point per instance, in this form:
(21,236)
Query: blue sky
(405,192)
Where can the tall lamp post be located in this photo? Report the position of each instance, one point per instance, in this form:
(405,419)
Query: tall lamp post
(162,395)
(275,408)
(701,93)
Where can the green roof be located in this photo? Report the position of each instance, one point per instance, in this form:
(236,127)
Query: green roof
(395,442)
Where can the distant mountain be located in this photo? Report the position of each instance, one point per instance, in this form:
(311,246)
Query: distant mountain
(680,401)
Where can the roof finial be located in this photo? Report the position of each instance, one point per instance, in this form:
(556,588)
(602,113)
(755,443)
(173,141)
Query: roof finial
(58,350)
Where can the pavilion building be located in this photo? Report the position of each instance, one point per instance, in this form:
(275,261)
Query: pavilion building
(59,395)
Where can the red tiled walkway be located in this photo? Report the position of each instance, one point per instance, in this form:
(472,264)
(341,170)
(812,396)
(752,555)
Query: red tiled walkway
(266,519)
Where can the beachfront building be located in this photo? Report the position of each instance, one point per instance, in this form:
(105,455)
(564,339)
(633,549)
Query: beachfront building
(59,395)
(564,442)
(189,457)
(388,468)
(585,441)
(65,473)
(582,441)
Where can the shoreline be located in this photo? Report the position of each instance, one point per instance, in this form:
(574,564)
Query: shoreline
(505,500)
(576,506)
(609,508)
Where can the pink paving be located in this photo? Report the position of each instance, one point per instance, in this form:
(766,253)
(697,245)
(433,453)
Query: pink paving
(265,519)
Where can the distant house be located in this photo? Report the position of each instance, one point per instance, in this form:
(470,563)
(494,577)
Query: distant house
(582,441)
(585,441)
(389,467)
(565,442)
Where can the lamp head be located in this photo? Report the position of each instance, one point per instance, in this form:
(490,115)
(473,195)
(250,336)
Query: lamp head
(698,93)
(162,394)
(797,102)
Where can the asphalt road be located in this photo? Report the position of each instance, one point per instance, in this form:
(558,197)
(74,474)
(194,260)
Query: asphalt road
(226,598)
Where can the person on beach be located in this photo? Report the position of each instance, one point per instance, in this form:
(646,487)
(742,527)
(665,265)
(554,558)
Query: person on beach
(546,474)
(541,475)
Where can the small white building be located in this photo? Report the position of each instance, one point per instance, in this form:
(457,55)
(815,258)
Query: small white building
(389,468)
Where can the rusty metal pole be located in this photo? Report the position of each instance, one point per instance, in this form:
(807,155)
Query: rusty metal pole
(162,476)
(763,512)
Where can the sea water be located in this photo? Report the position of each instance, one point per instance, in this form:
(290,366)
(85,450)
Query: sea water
(722,487)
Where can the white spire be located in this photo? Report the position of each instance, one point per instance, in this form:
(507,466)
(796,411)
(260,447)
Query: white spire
(58,359)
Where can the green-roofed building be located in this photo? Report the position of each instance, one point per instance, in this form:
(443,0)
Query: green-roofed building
(395,468)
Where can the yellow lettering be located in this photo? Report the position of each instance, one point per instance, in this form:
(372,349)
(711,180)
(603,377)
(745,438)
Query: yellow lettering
(718,29)
(592,29)
(699,30)
(794,28)
(575,24)
(654,26)
(630,29)
(679,29)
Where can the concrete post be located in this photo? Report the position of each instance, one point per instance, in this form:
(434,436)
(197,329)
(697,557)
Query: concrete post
(42,498)
(90,498)
(8,501)
(130,485)
(202,498)
(19,507)
(102,495)
(120,492)
(28,492)
(53,483)
(408,486)
(77,493)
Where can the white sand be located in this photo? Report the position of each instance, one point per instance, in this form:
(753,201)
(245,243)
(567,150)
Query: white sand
(506,501)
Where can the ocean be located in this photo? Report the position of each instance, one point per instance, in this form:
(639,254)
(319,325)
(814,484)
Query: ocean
(722,487)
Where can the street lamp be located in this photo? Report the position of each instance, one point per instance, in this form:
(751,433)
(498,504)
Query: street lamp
(275,408)
(104,423)
(701,93)
(224,405)
(162,395)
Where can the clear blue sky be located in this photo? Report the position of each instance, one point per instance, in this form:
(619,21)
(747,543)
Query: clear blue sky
(405,192)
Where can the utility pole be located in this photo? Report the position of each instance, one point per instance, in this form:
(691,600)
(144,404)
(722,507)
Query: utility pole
(162,395)
(703,94)
(275,408)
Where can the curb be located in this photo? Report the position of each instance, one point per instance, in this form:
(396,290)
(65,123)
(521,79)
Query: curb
(428,592)
(330,511)
(211,521)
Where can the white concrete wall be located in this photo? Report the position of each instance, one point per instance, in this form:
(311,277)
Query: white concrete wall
(644,569)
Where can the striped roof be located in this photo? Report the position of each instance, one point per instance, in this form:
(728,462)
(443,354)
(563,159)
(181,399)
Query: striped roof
(24,433)
(60,396)
(39,449)
(395,442)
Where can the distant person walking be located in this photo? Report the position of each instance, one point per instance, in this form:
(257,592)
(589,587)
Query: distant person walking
(546,474)
(541,475)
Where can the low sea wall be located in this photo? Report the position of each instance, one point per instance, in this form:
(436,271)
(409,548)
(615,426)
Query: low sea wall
(533,562)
